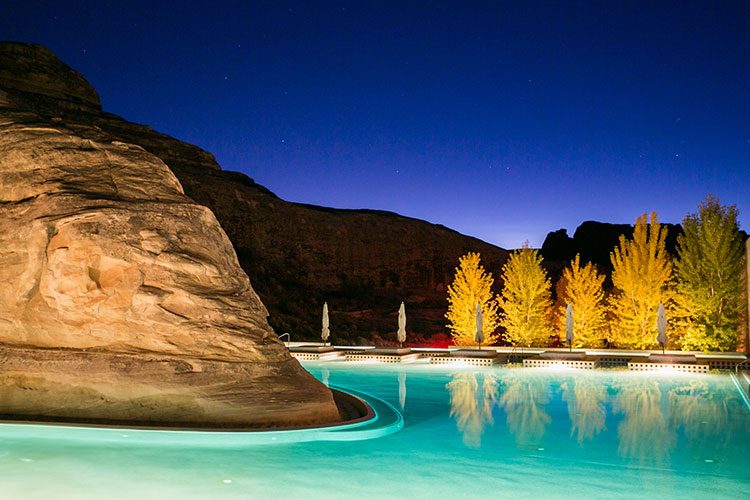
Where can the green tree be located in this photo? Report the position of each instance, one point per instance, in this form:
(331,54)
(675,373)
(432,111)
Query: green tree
(581,287)
(709,277)
(471,285)
(641,274)
(525,298)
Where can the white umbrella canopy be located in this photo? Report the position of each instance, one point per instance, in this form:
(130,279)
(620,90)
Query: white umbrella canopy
(479,335)
(569,324)
(401,324)
(325,332)
(661,325)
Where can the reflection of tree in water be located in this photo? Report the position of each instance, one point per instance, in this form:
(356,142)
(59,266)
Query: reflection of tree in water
(644,431)
(523,400)
(702,414)
(585,407)
(472,404)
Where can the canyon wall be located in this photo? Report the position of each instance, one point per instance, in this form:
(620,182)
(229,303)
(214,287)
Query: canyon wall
(121,299)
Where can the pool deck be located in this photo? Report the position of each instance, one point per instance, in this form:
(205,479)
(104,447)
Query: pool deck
(645,360)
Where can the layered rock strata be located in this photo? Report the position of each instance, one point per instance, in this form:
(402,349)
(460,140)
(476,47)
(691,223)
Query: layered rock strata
(121,299)
(363,262)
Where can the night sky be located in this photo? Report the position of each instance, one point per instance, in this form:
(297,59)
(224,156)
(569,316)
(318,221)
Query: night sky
(503,121)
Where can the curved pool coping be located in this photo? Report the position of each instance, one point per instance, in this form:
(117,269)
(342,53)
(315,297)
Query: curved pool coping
(372,425)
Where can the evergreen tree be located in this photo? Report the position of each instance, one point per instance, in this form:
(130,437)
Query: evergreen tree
(641,274)
(525,299)
(471,285)
(581,287)
(710,278)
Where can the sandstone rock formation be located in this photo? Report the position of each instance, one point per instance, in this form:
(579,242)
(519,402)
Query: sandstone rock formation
(363,262)
(121,299)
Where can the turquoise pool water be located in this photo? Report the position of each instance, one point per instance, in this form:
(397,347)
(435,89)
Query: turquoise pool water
(466,433)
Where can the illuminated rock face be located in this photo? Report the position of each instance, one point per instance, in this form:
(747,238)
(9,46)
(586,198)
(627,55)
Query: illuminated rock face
(363,262)
(120,298)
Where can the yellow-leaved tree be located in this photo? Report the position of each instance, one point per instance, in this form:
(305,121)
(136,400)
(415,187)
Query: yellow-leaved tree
(641,273)
(525,299)
(709,276)
(581,287)
(471,285)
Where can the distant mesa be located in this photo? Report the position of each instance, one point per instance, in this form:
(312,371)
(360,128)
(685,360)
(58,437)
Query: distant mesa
(595,241)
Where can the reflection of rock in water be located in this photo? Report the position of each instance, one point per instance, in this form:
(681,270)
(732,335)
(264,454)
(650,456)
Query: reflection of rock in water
(523,400)
(644,431)
(585,407)
(402,389)
(471,405)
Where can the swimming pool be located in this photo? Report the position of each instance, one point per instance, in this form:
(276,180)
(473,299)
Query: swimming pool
(466,433)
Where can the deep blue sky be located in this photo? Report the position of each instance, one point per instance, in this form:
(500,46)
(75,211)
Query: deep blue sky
(501,120)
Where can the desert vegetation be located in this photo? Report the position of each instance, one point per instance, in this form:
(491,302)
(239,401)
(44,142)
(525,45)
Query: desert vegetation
(702,287)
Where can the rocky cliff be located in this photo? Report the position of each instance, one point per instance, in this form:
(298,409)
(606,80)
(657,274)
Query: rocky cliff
(121,299)
(595,241)
(363,262)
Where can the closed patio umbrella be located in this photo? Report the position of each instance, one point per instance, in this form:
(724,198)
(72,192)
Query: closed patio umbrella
(325,332)
(479,335)
(569,325)
(401,325)
(661,324)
